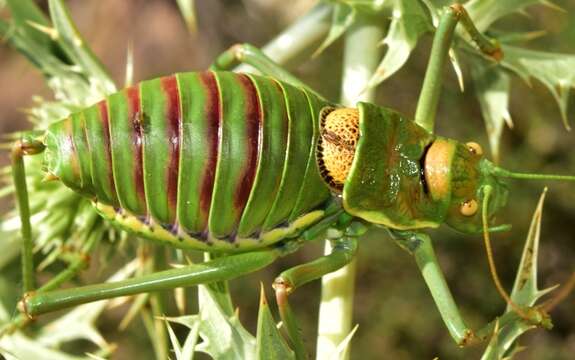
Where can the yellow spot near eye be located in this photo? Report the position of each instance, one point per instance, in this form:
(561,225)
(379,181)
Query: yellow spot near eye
(469,208)
(474,148)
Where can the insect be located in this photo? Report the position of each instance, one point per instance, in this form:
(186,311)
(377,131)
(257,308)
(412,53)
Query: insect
(254,166)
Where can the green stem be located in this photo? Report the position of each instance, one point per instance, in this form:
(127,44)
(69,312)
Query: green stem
(81,262)
(158,335)
(300,37)
(361,57)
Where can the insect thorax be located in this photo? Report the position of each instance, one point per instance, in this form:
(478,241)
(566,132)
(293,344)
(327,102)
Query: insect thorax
(375,158)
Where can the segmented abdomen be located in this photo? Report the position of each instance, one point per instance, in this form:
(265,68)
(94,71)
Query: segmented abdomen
(210,155)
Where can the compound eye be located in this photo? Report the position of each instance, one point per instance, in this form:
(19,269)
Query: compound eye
(475,148)
(469,208)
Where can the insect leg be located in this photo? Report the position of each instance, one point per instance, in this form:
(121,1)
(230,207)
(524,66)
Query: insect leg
(23,147)
(429,96)
(419,245)
(343,251)
(219,269)
(251,55)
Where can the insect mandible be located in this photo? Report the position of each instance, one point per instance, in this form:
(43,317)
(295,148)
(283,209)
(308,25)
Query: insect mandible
(254,166)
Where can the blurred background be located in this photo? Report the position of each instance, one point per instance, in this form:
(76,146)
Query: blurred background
(396,315)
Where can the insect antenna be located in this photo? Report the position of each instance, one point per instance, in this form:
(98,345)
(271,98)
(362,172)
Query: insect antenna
(500,172)
(570,284)
(488,249)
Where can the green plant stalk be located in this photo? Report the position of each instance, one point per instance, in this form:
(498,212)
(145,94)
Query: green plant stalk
(300,37)
(158,336)
(76,265)
(362,54)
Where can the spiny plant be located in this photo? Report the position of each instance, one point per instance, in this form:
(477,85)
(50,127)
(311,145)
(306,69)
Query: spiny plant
(66,227)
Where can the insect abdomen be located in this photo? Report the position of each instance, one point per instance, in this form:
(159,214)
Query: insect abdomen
(213,155)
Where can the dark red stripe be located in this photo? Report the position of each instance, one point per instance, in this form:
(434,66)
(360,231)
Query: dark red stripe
(135,117)
(174,121)
(74,165)
(254,121)
(213,117)
(103,107)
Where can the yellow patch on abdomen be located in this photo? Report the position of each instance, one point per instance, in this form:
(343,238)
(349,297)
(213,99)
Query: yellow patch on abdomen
(179,239)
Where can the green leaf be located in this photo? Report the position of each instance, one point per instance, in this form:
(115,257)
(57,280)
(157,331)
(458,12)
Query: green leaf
(486,12)
(77,324)
(75,47)
(185,352)
(342,18)
(25,13)
(188,13)
(223,336)
(554,70)
(409,22)
(342,349)
(492,91)
(270,343)
(525,293)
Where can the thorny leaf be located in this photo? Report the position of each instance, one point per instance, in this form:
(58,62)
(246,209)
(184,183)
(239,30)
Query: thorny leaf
(525,293)
(492,91)
(554,70)
(409,21)
(18,346)
(189,14)
(24,14)
(270,343)
(343,346)
(186,351)
(223,336)
(58,213)
(78,324)
(75,47)
(342,18)
(486,12)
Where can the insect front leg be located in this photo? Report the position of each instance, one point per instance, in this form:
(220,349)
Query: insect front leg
(251,55)
(419,245)
(343,251)
(25,146)
(429,96)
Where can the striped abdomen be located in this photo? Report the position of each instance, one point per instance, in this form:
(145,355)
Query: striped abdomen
(206,156)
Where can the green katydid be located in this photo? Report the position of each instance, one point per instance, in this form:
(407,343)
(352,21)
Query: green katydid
(255,166)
